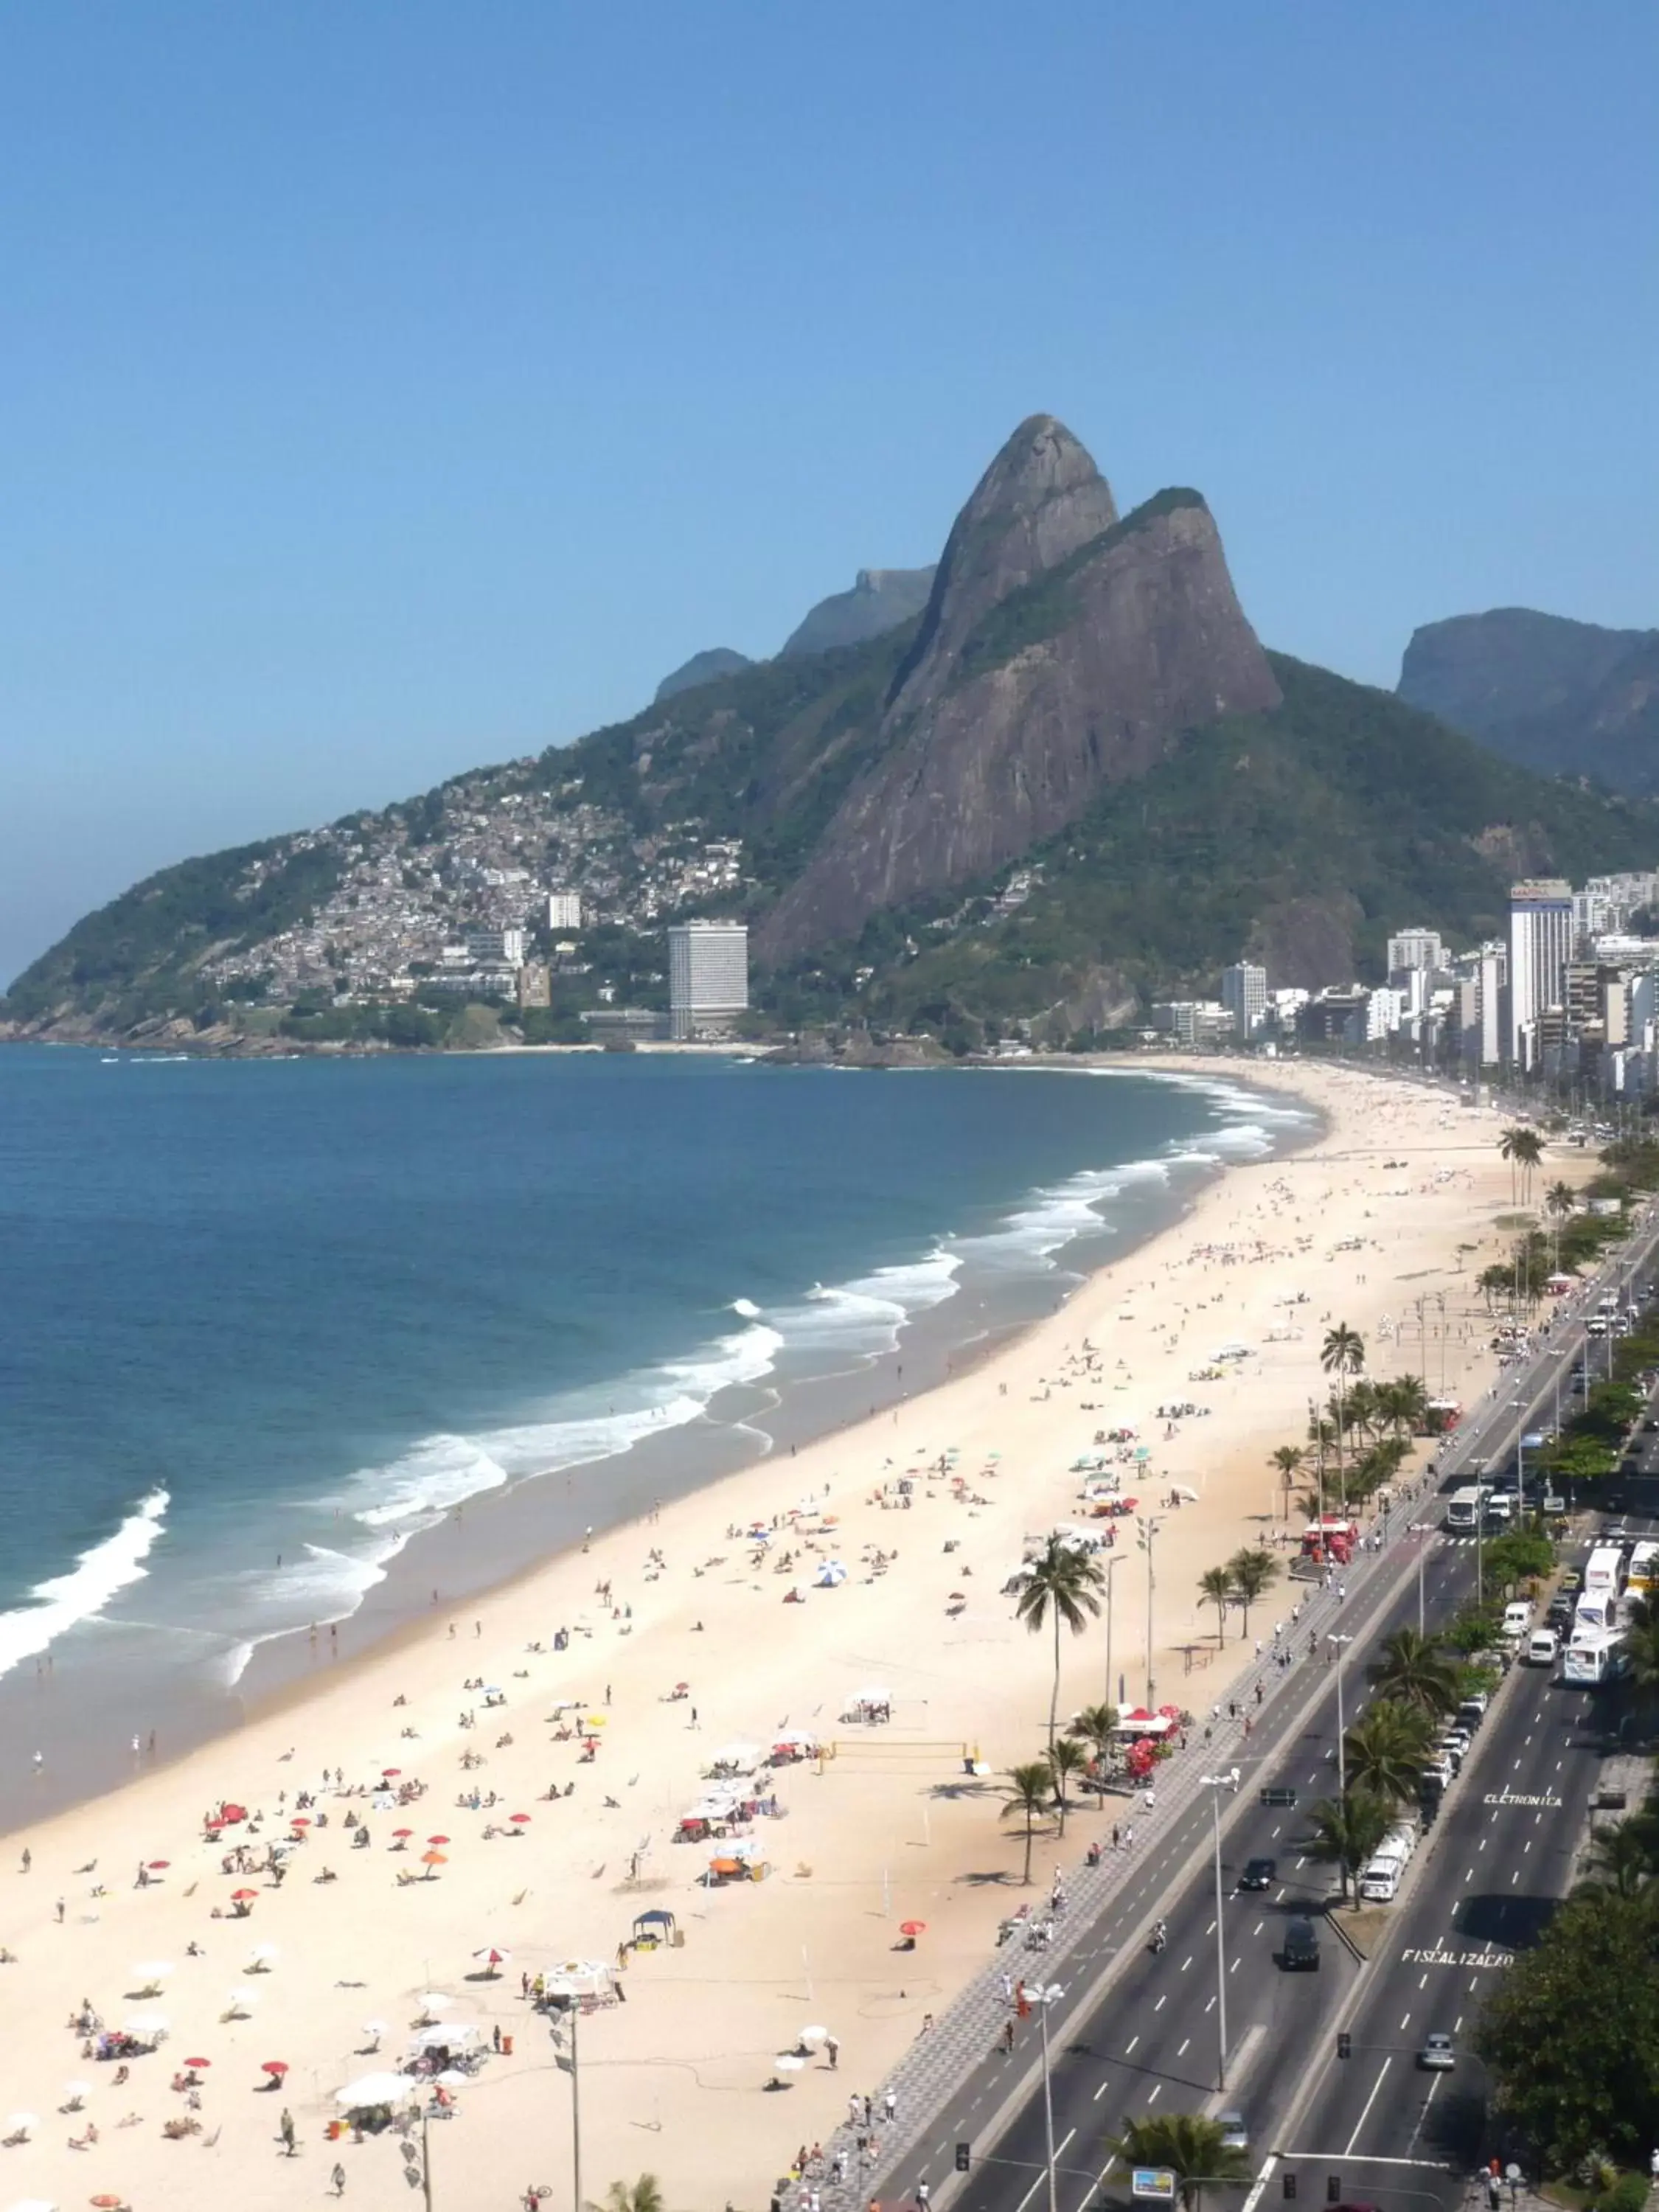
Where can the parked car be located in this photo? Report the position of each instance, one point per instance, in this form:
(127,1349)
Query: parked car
(1436,2055)
(1258,1874)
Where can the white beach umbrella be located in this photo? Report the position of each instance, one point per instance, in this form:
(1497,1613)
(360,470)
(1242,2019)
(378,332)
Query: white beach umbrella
(377,2028)
(434,2001)
(153,1970)
(450,2079)
(21,2123)
(787,2062)
(74,2092)
(812,2035)
(241,1998)
(263,1954)
(456,2036)
(376,2089)
(33,2204)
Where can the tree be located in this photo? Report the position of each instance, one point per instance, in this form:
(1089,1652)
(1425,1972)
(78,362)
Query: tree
(1193,2148)
(1347,1831)
(1215,1587)
(1570,2032)
(1412,1670)
(1030,1787)
(1491,1281)
(1062,1587)
(1402,1404)
(1066,1757)
(1641,1646)
(1620,1860)
(1253,1572)
(644,2196)
(1096,1726)
(1385,1748)
(1342,1354)
(1288,1460)
(1361,1410)
(1523,1149)
(1559,1202)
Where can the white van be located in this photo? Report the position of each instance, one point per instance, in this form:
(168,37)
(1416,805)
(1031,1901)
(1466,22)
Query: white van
(1517,1616)
(1542,1646)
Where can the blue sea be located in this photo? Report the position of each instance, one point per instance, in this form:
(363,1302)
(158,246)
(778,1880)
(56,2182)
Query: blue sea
(265,1323)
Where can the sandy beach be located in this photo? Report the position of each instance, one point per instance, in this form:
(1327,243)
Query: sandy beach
(1396,1203)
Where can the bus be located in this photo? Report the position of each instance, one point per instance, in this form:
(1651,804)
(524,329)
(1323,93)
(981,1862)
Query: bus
(1643,1568)
(1464,1508)
(1605,1570)
(1594,1656)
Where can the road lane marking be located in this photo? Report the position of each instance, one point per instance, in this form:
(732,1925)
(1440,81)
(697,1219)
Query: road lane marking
(1133,2041)
(1404,2023)
(1424,1982)
(1211,2006)
(1366,2114)
(1186,1962)
(1233,1969)
(1257,1930)
(1182,2053)
(1162,2002)
(1156,2092)
(1100,2092)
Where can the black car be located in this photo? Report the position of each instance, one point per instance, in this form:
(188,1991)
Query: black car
(1258,1874)
(1301,1945)
(1278,1794)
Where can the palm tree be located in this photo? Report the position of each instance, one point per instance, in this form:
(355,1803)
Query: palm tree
(1559,1202)
(1403,1405)
(1492,1281)
(1194,2149)
(644,2196)
(1411,1670)
(1309,1502)
(1215,1587)
(1363,1411)
(1342,1354)
(1620,1862)
(1030,1787)
(1253,1571)
(1066,1759)
(1385,1748)
(1347,1830)
(1529,1153)
(1288,1460)
(1096,1726)
(1062,1587)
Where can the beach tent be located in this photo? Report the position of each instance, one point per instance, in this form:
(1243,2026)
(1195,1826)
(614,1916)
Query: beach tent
(739,1758)
(374,2089)
(453,2035)
(580,1978)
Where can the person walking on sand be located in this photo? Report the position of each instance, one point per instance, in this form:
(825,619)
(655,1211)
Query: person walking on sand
(338,2178)
(285,2129)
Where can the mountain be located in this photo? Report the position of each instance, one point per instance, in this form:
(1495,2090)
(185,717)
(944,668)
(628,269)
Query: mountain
(1062,650)
(880,600)
(1566,698)
(702,668)
(1073,781)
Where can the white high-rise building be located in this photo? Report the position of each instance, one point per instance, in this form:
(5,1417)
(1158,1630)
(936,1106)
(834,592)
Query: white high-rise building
(1540,945)
(708,976)
(1416,948)
(564,910)
(1244,994)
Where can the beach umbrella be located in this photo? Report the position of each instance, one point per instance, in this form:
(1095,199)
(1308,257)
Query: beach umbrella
(159,1866)
(390,1773)
(493,1959)
(452,2078)
(913,1927)
(435,1840)
(786,2062)
(519,1820)
(300,1821)
(377,2028)
(42,2204)
(155,1969)
(239,1999)
(431,1860)
(232,1812)
(108,2202)
(434,2001)
(263,1954)
(810,2035)
(199,2065)
(243,1896)
(274,2067)
(75,2091)
(21,2123)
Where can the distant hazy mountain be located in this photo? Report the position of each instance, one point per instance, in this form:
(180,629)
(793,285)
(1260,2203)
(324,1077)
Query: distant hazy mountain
(702,668)
(880,600)
(1567,698)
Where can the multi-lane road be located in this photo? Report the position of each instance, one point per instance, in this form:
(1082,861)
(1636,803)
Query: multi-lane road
(1480,1887)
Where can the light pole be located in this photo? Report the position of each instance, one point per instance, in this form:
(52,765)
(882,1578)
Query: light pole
(572,2015)
(1422,1530)
(1110,1568)
(1050,1994)
(1215,1784)
(1146,1538)
(1341,1725)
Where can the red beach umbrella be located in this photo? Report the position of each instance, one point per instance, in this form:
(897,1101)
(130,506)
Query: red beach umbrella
(300,1821)
(274,2067)
(213,1824)
(199,2065)
(519,1820)
(913,1927)
(242,1896)
(402,1831)
(159,1866)
(107,2202)
(390,1773)
(232,1812)
(435,1840)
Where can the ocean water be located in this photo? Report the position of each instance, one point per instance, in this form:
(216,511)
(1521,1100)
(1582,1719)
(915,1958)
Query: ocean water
(263,1323)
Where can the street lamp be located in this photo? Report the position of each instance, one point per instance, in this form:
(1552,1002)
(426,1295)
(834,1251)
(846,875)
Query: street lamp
(1146,1538)
(1425,1529)
(1341,1726)
(1109,1568)
(1215,1784)
(1050,1994)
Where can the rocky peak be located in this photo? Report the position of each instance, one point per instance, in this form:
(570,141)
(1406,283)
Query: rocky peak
(1041,499)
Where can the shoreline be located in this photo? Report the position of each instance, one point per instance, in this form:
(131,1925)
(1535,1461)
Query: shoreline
(498,1538)
(884,1829)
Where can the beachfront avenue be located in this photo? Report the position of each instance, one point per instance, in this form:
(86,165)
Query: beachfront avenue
(1143,2038)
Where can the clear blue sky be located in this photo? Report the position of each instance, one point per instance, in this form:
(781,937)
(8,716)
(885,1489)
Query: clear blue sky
(391,386)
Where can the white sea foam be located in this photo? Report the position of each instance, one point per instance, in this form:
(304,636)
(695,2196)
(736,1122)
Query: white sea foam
(60,1604)
(1055,1214)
